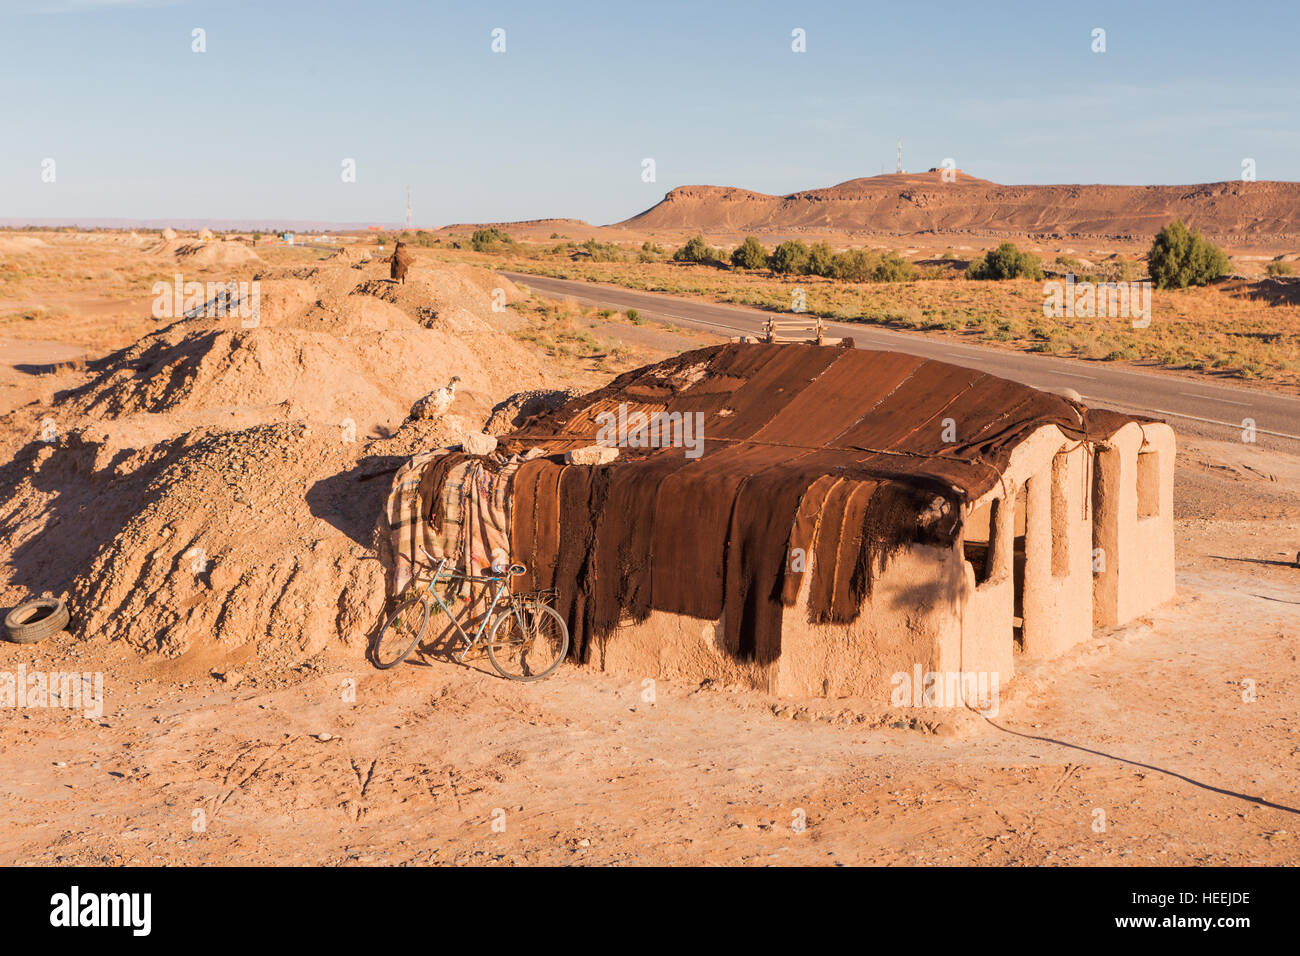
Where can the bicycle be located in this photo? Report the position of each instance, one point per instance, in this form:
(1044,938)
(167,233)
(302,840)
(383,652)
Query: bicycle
(527,639)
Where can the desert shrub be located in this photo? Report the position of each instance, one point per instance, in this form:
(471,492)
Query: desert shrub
(633,316)
(484,240)
(696,250)
(652,248)
(1005,262)
(855,265)
(1180,257)
(790,257)
(1278,268)
(750,254)
(821,259)
(1124,269)
(602,251)
(893,268)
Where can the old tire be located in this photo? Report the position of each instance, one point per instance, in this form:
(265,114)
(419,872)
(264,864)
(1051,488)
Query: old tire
(36,620)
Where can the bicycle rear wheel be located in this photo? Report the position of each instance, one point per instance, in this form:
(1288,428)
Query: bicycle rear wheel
(401,633)
(533,651)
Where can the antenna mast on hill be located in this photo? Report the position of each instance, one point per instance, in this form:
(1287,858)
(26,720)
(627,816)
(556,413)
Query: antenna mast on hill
(900,156)
(408,207)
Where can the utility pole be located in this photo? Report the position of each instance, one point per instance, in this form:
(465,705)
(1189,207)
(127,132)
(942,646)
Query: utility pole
(900,155)
(408,207)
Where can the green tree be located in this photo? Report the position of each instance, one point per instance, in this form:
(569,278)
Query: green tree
(1005,262)
(790,257)
(695,250)
(821,259)
(1180,257)
(855,265)
(750,254)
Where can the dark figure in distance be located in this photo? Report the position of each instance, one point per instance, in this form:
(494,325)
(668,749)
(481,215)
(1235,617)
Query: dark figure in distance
(402,260)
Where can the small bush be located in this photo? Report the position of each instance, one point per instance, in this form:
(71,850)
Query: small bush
(485,240)
(789,258)
(1005,262)
(855,265)
(633,316)
(697,250)
(893,268)
(602,251)
(1278,268)
(1180,257)
(750,254)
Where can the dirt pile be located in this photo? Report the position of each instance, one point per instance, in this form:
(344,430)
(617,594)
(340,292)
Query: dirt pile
(216,252)
(211,490)
(515,411)
(228,548)
(328,344)
(15,244)
(923,203)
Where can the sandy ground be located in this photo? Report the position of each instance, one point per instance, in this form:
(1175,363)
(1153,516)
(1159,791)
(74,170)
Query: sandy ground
(1140,747)
(1172,740)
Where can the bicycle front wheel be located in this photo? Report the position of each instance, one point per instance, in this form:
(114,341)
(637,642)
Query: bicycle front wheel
(402,632)
(530,652)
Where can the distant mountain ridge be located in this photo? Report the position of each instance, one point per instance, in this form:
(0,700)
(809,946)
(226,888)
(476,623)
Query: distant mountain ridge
(919,203)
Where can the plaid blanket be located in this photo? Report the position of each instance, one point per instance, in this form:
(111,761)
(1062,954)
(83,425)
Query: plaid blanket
(453,506)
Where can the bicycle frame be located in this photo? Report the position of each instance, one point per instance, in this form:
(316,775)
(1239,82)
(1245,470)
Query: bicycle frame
(501,582)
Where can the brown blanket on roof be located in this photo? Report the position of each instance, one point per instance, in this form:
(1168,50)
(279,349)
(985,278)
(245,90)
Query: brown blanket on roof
(838,454)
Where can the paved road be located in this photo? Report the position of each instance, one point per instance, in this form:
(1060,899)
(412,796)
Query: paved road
(1218,409)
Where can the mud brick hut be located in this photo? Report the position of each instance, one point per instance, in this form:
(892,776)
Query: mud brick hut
(837,516)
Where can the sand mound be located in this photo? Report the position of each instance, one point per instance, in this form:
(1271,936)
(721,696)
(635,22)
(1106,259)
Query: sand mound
(349,255)
(223,252)
(228,549)
(366,355)
(370,377)
(465,303)
(12,244)
(212,489)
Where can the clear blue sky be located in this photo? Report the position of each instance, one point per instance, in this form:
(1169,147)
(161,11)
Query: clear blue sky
(558,125)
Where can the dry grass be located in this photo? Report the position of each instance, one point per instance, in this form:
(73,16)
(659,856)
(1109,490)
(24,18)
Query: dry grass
(562,331)
(1205,330)
(97,293)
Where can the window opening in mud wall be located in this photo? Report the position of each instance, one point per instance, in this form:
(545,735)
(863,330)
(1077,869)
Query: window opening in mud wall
(1148,484)
(978,539)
